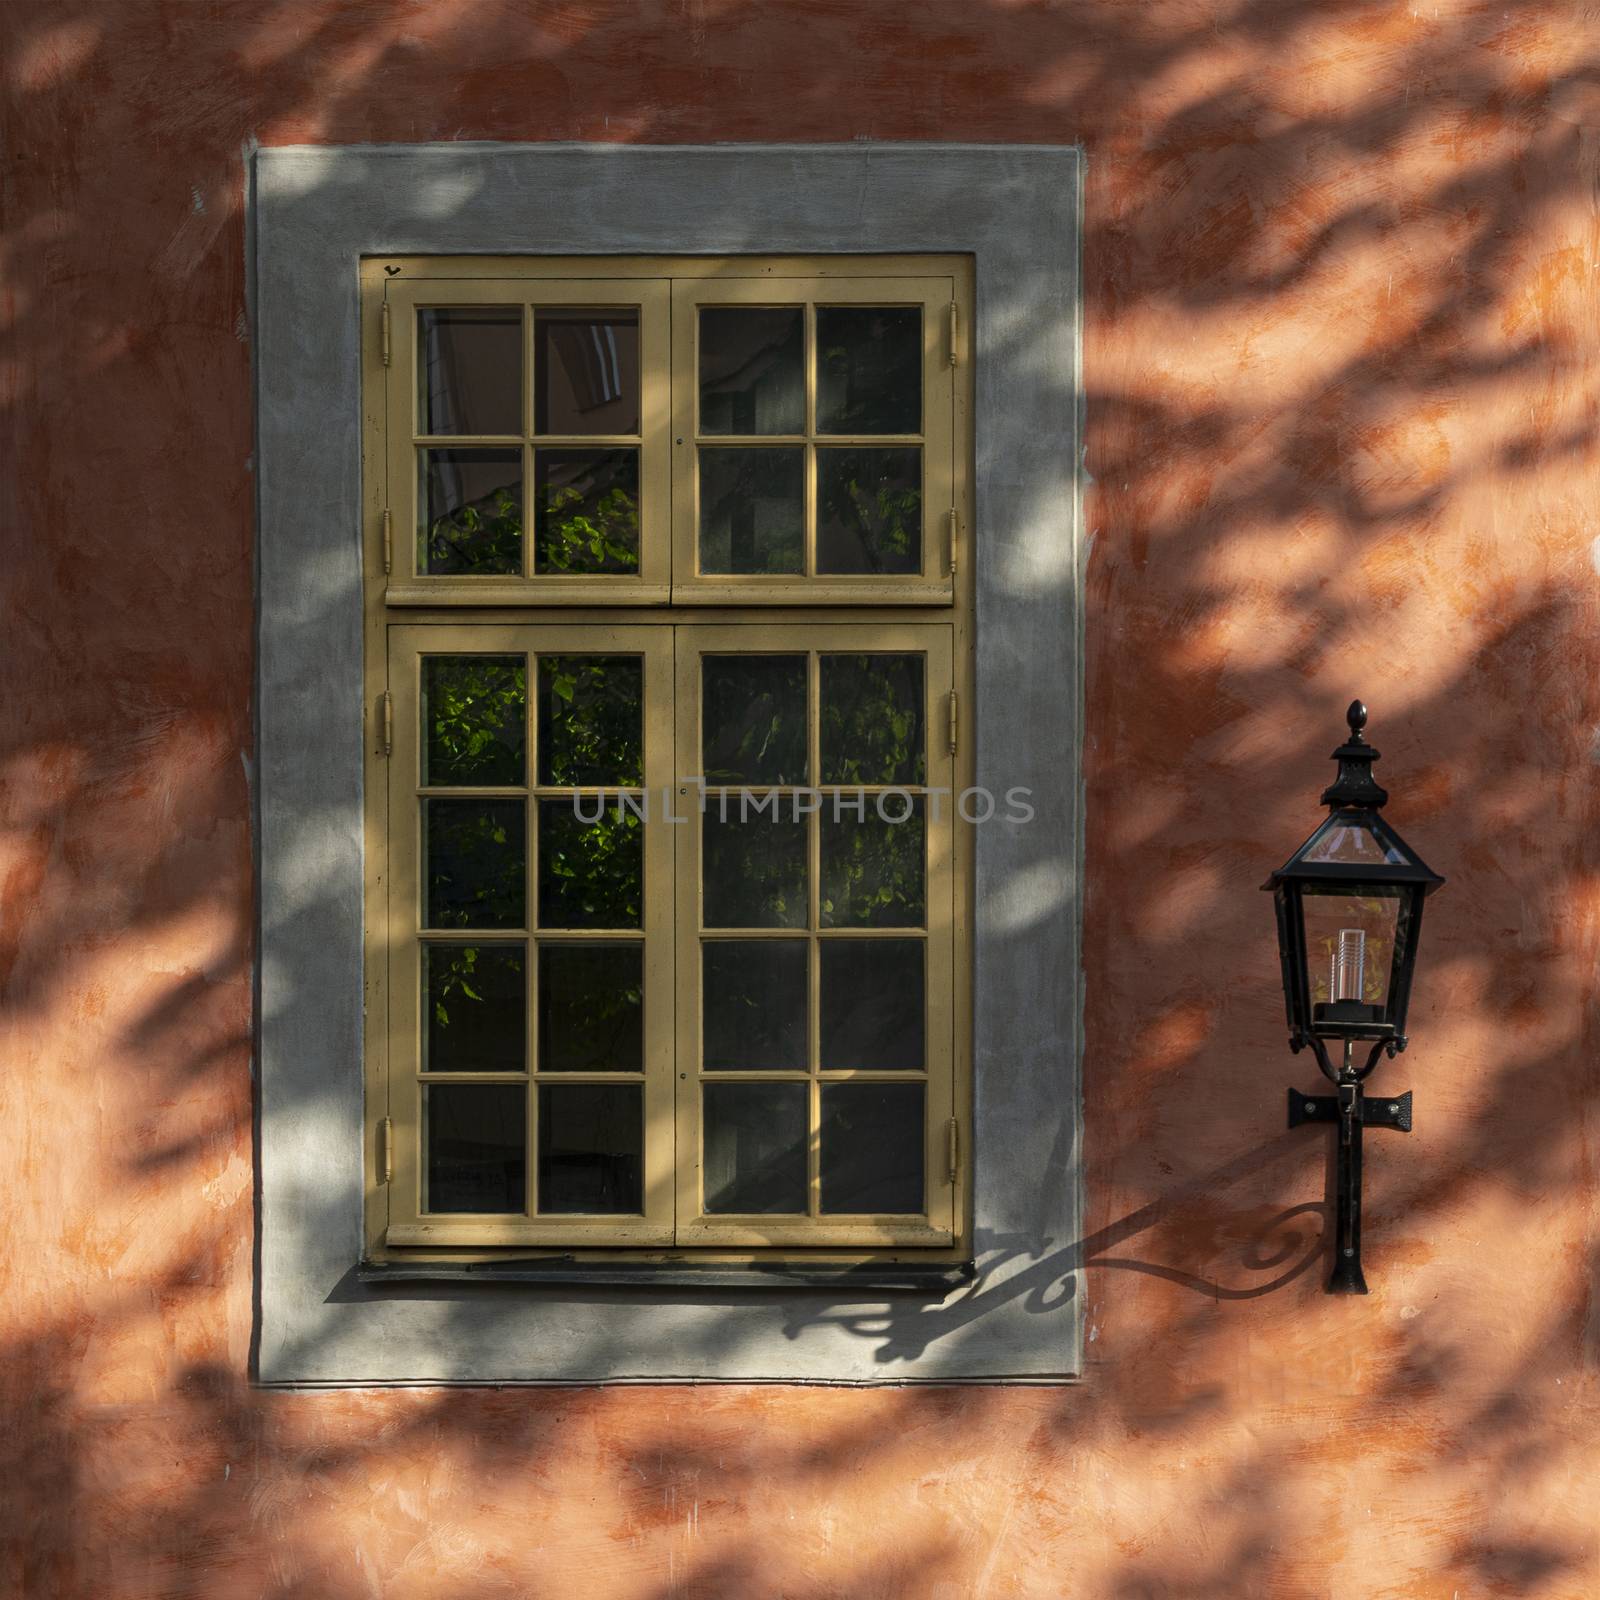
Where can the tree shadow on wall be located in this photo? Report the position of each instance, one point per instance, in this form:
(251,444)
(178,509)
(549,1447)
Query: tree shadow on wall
(1336,427)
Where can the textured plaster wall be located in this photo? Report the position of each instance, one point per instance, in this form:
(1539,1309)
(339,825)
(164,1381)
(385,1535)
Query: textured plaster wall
(1340,360)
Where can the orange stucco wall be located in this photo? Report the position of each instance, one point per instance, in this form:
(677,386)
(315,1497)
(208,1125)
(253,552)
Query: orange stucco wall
(1341,365)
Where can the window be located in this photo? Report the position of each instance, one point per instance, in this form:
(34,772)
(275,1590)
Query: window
(667,642)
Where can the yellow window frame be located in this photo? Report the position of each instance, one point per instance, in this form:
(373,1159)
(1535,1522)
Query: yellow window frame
(670,609)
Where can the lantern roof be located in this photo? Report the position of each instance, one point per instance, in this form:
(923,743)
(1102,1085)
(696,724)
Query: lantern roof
(1354,844)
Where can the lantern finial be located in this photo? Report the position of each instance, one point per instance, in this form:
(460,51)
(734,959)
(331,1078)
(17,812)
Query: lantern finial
(1355,785)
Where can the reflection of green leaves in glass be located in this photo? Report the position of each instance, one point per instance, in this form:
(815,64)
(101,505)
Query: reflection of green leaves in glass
(483,537)
(873,871)
(474,714)
(869,509)
(754,870)
(474,870)
(872,719)
(591,720)
(591,524)
(753,719)
(869,369)
(591,1007)
(476,1004)
(591,874)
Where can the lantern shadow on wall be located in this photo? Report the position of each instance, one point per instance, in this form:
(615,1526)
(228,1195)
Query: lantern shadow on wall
(1349,904)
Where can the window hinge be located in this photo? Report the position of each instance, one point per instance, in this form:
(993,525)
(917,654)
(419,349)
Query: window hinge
(955,714)
(385,1150)
(383,331)
(388,540)
(954,326)
(952,1148)
(952,539)
(386,716)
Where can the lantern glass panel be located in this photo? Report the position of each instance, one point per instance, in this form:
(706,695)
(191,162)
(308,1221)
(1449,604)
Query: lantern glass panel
(1351,934)
(1346,840)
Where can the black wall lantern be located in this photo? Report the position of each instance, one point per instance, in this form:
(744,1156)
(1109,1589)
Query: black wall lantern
(1349,904)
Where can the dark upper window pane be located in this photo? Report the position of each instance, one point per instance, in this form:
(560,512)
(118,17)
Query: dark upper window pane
(469,369)
(873,1004)
(591,1007)
(474,720)
(587,510)
(874,865)
(469,512)
(591,720)
(474,870)
(753,719)
(751,375)
(754,866)
(869,369)
(869,509)
(872,719)
(474,997)
(753,509)
(591,874)
(586,369)
(754,1007)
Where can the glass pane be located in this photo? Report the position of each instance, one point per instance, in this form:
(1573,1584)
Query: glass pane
(591,1148)
(872,1147)
(1350,940)
(469,512)
(755,864)
(752,510)
(476,1141)
(591,874)
(469,370)
(474,868)
(755,1147)
(1349,841)
(869,369)
(591,1007)
(754,1014)
(869,510)
(474,1001)
(751,369)
(873,870)
(873,1004)
(753,719)
(587,511)
(586,368)
(873,709)
(591,720)
(474,720)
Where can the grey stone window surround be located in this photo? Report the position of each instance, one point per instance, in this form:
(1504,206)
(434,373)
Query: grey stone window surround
(315,211)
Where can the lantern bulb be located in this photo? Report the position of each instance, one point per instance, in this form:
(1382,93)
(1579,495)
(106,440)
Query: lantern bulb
(1349,964)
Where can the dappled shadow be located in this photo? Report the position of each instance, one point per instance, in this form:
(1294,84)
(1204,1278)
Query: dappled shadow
(1340,425)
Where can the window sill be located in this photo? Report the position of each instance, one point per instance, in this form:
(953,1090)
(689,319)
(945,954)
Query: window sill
(934,1280)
